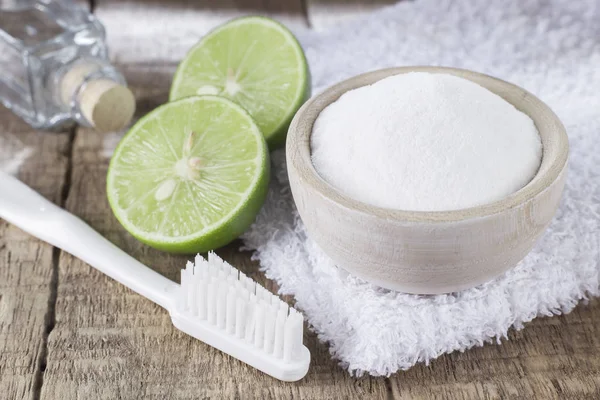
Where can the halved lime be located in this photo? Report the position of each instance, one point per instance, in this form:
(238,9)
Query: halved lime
(190,176)
(257,63)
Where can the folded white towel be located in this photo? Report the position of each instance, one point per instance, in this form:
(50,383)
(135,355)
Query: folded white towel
(550,48)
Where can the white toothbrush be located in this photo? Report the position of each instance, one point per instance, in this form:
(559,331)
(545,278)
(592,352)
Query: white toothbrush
(215,303)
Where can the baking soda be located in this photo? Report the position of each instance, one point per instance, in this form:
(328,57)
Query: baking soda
(425,142)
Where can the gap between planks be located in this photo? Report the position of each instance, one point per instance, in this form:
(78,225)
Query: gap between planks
(304,7)
(50,317)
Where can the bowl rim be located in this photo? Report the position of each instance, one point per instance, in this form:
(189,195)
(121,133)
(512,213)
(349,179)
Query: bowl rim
(298,152)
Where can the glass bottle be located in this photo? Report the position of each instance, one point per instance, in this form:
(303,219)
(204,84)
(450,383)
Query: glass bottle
(54,67)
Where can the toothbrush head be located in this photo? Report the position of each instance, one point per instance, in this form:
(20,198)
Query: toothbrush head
(226,309)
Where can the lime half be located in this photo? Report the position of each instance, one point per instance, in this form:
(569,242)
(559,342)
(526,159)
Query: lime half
(257,63)
(190,176)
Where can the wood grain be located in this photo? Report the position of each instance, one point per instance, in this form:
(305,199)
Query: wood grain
(27,286)
(325,14)
(109,342)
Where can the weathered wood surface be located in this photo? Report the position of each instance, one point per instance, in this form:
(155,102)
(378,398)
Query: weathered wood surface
(69,332)
(28,266)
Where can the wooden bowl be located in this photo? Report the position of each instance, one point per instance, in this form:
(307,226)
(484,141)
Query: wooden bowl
(427,252)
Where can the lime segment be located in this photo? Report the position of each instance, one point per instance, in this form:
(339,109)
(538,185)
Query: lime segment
(190,176)
(257,63)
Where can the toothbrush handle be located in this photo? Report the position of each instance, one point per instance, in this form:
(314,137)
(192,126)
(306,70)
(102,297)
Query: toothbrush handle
(25,208)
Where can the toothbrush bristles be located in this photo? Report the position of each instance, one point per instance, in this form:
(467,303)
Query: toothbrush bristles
(216,293)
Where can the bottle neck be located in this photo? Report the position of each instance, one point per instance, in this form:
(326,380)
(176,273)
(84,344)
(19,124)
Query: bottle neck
(95,94)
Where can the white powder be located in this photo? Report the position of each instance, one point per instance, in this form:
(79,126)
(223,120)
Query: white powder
(425,142)
(13,153)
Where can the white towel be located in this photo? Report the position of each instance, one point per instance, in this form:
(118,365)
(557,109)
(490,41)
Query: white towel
(551,49)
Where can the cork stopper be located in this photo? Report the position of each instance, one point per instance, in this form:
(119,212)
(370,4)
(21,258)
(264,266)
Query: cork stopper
(105,103)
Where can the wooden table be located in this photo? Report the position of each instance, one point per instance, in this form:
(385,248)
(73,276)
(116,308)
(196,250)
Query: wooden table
(69,332)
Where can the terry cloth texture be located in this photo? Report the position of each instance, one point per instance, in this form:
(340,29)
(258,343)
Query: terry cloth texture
(551,49)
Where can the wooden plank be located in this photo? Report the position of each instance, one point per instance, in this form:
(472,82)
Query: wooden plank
(324,14)
(166,31)
(109,342)
(552,358)
(27,282)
